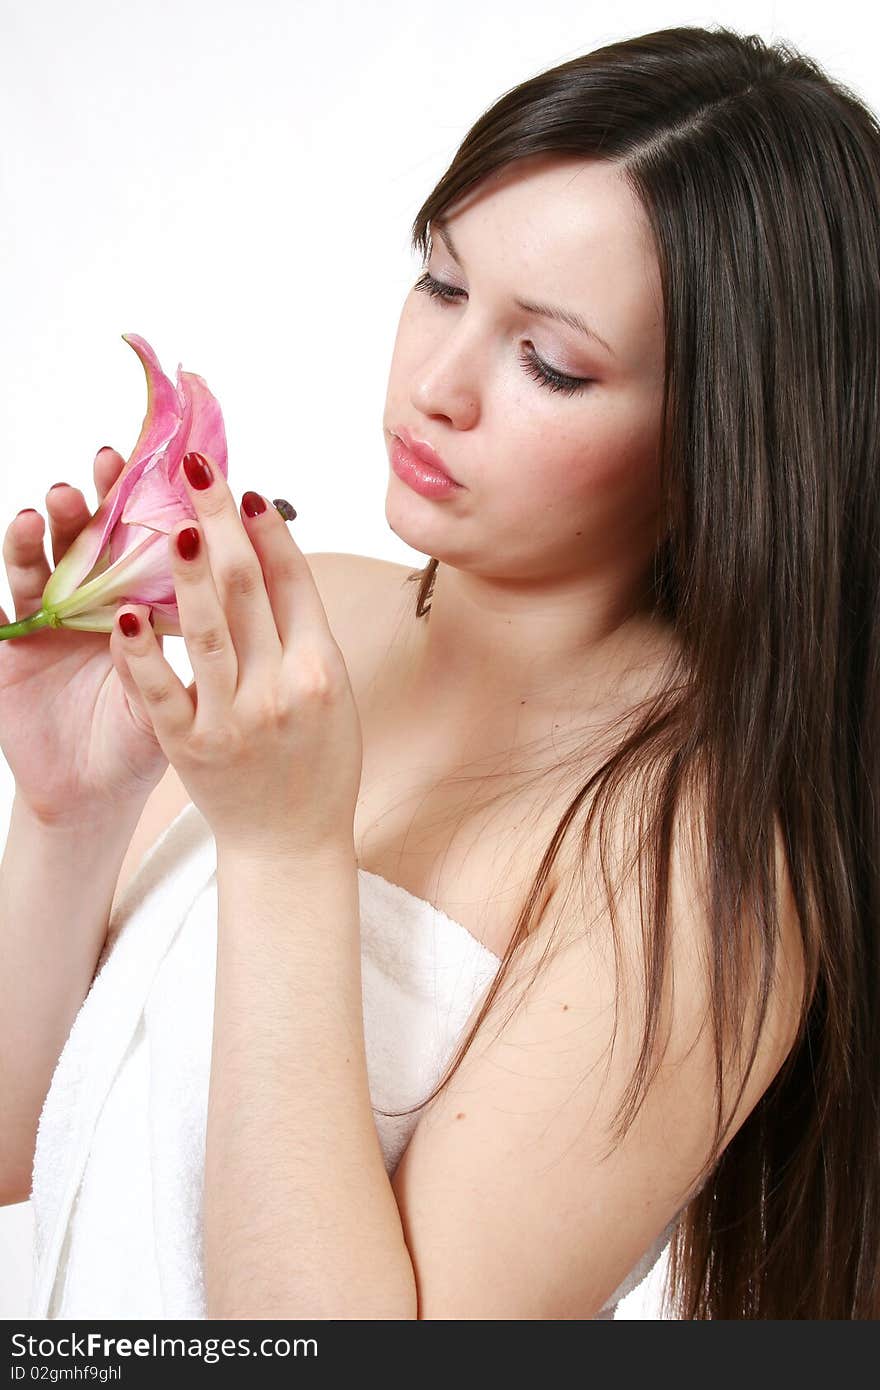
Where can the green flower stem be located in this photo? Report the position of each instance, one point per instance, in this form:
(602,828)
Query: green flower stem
(32,623)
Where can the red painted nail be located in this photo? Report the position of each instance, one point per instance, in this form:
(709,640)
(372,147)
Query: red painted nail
(54,485)
(253,504)
(129,624)
(188,542)
(197,470)
(27,509)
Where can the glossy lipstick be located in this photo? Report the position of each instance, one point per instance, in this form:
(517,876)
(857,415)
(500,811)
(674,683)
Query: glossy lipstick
(416,465)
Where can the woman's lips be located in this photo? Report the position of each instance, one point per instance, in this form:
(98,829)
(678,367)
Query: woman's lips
(424,452)
(422,477)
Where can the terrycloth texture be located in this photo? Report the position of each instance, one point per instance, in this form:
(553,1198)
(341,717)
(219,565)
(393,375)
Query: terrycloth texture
(119,1161)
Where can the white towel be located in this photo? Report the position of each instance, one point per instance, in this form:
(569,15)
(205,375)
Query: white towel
(119,1163)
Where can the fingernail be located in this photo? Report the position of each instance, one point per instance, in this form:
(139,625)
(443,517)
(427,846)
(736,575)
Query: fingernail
(188,542)
(54,485)
(129,624)
(27,509)
(197,470)
(253,504)
(104,449)
(284,507)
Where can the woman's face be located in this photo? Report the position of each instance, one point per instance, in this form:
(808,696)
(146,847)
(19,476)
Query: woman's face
(554,482)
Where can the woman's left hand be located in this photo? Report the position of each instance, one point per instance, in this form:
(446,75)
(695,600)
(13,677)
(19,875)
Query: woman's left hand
(267,738)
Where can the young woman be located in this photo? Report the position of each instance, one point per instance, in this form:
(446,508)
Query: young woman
(623,737)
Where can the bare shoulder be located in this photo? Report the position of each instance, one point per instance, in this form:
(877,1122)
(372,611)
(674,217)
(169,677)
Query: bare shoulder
(690,943)
(786,999)
(358,592)
(787,996)
(695,949)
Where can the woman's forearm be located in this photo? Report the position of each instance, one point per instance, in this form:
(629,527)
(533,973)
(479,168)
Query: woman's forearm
(56,890)
(300,1217)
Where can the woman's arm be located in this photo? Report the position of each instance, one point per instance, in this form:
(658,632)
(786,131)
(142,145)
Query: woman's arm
(56,890)
(300,1217)
(502,1205)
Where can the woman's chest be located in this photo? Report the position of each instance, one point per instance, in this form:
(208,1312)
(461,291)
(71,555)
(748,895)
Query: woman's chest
(447,808)
(459,808)
(450,835)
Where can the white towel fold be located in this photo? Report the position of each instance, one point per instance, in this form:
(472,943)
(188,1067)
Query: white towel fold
(119,1162)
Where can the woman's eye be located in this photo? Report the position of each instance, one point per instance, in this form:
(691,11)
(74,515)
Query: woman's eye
(436,288)
(544,374)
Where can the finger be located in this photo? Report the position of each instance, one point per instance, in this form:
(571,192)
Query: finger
(24,552)
(203,625)
(25,559)
(120,663)
(287,574)
(67,507)
(229,557)
(68,515)
(168,704)
(108,465)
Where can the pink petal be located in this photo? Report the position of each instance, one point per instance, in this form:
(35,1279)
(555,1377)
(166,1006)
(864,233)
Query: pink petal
(161,499)
(122,554)
(166,623)
(141,575)
(207,434)
(161,424)
(163,402)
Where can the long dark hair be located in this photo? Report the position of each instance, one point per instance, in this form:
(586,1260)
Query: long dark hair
(760,177)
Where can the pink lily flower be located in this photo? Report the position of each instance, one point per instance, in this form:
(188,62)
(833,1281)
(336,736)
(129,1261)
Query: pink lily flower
(121,555)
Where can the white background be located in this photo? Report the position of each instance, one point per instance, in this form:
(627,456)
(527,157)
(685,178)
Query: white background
(236,183)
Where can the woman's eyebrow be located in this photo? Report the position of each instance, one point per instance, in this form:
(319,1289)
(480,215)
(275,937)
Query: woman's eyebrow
(545,311)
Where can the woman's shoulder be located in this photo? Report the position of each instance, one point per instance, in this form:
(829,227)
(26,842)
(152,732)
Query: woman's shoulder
(355,587)
(333,570)
(366,600)
(690,945)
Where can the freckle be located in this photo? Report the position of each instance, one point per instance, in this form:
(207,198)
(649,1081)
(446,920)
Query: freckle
(460,1115)
(578,533)
(565,1006)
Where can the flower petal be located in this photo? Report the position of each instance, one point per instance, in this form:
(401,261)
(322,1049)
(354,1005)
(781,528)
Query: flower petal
(141,575)
(85,557)
(207,434)
(104,619)
(121,555)
(164,411)
(162,498)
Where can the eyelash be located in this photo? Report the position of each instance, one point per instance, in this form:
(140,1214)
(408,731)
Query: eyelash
(540,371)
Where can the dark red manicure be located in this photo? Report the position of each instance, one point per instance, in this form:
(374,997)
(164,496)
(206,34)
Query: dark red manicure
(129,624)
(188,542)
(253,504)
(197,470)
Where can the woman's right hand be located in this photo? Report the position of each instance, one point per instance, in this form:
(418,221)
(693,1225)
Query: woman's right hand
(73,728)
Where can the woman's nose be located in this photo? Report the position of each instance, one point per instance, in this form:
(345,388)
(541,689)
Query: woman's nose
(448,380)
